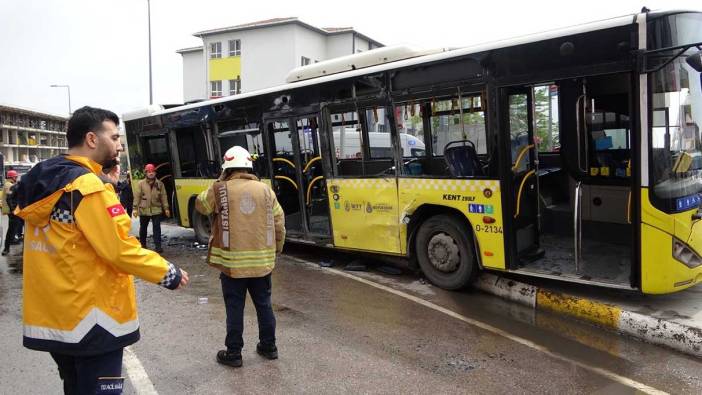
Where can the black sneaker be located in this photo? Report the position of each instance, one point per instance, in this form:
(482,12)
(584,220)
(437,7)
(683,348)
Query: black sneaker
(5,252)
(270,352)
(229,358)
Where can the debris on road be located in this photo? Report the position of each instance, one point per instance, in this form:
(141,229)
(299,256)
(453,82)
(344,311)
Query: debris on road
(389,270)
(356,266)
(326,263)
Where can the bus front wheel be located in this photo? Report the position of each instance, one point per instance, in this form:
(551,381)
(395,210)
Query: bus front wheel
(202,227)
(444,252)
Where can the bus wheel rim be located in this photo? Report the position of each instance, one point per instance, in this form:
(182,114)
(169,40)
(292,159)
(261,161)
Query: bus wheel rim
(443,253)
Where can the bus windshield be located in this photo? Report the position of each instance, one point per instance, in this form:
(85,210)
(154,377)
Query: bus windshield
(676,105)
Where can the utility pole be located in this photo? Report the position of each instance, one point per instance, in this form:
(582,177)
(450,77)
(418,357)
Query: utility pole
(151,93)
(70,111)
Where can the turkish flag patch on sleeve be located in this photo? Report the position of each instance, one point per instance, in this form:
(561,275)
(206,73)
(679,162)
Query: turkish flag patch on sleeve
(116,210)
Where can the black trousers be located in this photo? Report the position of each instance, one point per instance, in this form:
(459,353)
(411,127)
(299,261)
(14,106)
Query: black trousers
(94,374)
(144,226)
(14,224)
(234,291)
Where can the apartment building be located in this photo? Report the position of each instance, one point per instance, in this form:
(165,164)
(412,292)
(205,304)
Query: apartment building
(258,55)
(28,137)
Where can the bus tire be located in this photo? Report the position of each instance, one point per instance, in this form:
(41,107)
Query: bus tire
(202,227)
(444,252)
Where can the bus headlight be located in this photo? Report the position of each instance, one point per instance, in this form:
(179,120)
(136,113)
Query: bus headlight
(684,254)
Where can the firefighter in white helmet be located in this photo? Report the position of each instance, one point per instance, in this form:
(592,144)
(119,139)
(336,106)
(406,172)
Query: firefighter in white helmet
(248,231)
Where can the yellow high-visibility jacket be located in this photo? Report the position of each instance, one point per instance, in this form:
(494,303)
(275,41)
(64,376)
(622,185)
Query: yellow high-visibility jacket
(248,229)
(79,296)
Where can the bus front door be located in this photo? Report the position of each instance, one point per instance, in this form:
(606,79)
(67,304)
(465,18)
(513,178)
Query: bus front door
(596,152)
(570,204)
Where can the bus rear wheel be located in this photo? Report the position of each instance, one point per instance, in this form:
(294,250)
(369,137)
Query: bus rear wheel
(444,252)
(202,227)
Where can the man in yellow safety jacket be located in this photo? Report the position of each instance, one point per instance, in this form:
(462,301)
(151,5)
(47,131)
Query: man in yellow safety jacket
(79,297)
(247,232)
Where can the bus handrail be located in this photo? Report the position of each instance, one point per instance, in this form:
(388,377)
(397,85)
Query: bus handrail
(316,158)
(577,225)
(521,156)
(519,194)
(287,179)
(285,161)
(309,188)
(577,133)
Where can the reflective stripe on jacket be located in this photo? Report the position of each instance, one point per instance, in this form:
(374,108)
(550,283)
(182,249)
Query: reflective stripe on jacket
(79,258)
(152,199)
(248,227)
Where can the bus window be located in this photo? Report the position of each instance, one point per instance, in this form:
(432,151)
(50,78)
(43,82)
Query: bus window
(308,139)
(247,135)
(546,131)
(347,135)
(518,129)
(346,128)
(446,125)
(379,141)
(192,152)
(157,147)
(409,122)
(409,118)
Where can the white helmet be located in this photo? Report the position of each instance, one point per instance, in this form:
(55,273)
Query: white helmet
(237,158)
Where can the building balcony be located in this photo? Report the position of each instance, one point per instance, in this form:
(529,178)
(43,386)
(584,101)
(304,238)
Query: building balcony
(28,129)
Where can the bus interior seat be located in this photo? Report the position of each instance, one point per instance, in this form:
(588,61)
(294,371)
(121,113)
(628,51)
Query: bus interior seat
(462,159)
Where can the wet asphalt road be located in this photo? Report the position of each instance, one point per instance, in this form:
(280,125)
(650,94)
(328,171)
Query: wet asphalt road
(337,335)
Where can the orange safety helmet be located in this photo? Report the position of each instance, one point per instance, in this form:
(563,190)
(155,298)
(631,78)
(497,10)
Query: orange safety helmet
(12,174)
(149,167)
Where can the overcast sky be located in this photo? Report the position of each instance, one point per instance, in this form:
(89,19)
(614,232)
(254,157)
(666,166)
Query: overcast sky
(100,47)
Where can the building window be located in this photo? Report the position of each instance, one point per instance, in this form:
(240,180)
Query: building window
(235,86)
(215,50)
(305,61)
(216,88)
(234,47)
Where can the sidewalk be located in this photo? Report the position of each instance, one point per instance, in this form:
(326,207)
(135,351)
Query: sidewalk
(673,320)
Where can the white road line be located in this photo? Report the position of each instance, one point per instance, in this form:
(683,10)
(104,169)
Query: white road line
(606,373)
(137,375)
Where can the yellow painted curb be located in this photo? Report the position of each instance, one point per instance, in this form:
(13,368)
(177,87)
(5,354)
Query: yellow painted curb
(598,313)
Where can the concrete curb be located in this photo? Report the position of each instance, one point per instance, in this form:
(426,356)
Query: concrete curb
(657,331)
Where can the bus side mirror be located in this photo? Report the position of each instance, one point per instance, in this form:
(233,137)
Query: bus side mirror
(695,61)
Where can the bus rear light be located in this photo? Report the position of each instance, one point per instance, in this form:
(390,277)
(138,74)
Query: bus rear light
(684,254)
(488,220)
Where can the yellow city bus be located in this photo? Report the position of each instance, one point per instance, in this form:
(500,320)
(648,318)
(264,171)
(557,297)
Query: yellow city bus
(572,155)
